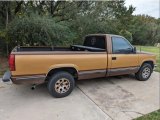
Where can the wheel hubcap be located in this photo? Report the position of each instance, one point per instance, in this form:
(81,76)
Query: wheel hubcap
(146,72)
(62,85)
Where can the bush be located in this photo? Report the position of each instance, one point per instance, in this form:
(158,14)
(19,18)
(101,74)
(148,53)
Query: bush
(126,34)
(39,31)
(3,49)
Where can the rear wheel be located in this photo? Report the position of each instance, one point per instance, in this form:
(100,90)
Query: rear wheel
(61,84)
(144,72)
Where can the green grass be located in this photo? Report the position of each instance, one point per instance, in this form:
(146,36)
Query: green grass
(151,116)
(154,50)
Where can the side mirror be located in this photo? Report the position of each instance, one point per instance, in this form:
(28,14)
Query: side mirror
(134,49)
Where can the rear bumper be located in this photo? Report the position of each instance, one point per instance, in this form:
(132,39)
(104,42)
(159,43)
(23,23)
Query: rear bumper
(32,79)
(6,77)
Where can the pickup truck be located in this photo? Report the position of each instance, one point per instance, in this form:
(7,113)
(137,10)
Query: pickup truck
(101,55)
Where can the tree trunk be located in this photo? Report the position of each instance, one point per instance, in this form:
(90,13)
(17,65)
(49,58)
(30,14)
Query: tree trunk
(51,4)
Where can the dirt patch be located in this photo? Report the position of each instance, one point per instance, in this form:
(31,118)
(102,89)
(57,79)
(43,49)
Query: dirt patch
(3,65)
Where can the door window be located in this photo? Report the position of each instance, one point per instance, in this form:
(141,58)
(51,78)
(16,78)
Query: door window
(121,45)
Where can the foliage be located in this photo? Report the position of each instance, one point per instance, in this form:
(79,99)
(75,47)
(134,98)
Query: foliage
(37,30)
(2,47)
(145,30)
(67,22)
(126,34)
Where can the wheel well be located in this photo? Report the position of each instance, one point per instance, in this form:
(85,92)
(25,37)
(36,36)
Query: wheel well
(149,62)
(70,70)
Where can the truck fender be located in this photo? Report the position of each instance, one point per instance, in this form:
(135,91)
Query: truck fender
(62,66)
(147,60)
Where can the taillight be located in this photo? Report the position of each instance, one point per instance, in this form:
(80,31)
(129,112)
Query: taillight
(12,62)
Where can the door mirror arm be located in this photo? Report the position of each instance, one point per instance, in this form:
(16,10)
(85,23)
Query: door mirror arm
(134,50)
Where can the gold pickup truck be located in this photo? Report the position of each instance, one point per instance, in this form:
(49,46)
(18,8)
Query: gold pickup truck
(101,55)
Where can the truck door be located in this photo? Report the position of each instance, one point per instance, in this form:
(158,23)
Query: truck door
(124,59)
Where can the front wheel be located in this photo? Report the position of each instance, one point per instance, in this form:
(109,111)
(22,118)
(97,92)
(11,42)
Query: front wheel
(144,72)
(61,84)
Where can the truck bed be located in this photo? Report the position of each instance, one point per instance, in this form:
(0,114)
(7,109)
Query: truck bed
(71,48)
(33,49)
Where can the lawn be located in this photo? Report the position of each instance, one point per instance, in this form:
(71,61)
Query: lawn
(151,116)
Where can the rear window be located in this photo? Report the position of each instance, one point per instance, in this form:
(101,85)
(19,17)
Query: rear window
(95,41)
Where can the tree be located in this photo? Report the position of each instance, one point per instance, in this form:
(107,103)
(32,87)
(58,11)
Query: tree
(66,22)
(37,30)
(145,30)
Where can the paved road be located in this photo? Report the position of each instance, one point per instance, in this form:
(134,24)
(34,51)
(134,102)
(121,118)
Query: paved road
(97,99)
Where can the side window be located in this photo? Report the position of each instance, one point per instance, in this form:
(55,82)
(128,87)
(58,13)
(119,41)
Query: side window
(120,45)
(95,41)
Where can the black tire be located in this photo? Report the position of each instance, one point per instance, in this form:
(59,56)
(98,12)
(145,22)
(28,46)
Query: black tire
(141,75)
(59,83)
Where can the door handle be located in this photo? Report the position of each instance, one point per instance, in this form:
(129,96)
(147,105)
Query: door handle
(114,58)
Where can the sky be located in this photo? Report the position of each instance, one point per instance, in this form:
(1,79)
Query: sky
(149,7)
